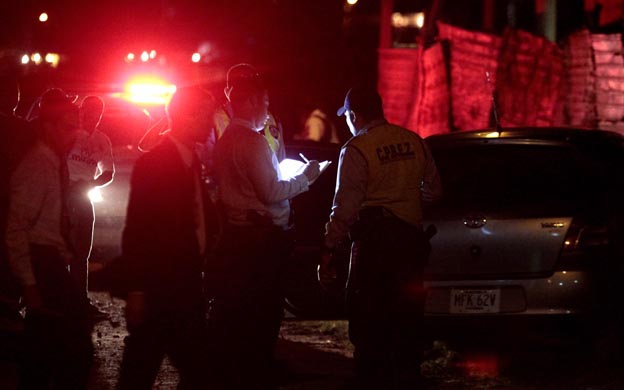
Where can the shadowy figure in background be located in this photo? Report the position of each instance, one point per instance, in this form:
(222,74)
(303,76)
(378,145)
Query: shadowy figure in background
(318,127)
(385,173)
(247,308)
(90,164)
(168,226)
(16,137)
(58,349)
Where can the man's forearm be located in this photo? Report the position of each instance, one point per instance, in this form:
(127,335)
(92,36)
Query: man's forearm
(104,179)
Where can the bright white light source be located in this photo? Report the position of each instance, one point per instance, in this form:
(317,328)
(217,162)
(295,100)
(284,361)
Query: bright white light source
(144,56)
(95,195)
(400,20)
(149,90)
(152,54)
(290,168)
(52,59)
(420,19)
(25,59)
(196,57)
(129,57)
(36,58)
(352,2)
(43,17)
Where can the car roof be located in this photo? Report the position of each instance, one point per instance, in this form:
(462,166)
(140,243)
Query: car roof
(572,135)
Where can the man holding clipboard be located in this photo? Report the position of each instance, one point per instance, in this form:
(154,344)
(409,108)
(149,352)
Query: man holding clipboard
(255,244)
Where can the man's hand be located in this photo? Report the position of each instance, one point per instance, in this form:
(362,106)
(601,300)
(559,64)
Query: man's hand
(104,179)
(312,170)
(326,271)
(135,309)
(82,187)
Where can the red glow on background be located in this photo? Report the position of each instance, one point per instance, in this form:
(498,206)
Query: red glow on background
(148,90)
(481,366)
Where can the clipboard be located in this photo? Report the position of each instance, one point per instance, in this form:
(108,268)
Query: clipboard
(291,168)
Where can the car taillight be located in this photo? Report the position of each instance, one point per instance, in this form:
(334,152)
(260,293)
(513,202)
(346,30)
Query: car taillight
(586,236)
(585,246)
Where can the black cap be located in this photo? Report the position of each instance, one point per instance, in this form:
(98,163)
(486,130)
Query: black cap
(362,99)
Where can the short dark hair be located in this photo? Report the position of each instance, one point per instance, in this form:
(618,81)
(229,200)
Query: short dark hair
(189,100)
(92,102)
(54,103)
(243,81)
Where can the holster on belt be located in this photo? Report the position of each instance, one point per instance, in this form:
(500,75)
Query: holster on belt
(367,217)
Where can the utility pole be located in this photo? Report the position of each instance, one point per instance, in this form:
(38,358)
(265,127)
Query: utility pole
(546,15)
(385,24)
(488,15)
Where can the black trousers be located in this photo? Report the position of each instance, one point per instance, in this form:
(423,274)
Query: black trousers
(385,300)
(82,219)
(247,309)
(179,334)
(58,350)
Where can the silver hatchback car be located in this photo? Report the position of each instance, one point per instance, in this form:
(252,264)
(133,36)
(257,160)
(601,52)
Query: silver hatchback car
(530,228)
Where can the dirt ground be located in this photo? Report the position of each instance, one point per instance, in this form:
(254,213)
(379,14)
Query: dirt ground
(314,354)
(318,355)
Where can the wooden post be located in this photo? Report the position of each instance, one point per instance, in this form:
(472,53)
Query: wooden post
(488,16)
(546,15)
(385,24)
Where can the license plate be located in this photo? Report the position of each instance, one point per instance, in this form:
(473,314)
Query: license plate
(474,301)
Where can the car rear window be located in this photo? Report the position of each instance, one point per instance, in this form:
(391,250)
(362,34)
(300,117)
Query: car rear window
(520,177)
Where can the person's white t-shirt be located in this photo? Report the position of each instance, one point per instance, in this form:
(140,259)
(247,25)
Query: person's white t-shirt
(90,156)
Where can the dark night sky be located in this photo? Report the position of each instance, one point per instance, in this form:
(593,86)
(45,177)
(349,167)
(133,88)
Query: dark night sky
(298,45)
(309,51)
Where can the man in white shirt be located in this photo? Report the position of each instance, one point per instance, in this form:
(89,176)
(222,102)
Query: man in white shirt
(57,336)
(90,164)
(248,300)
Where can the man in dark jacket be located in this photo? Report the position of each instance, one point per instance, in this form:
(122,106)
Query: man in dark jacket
(163,248)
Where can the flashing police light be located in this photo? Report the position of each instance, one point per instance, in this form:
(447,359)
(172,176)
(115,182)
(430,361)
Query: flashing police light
(148,90)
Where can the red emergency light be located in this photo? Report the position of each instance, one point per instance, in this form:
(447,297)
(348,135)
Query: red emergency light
(150,90)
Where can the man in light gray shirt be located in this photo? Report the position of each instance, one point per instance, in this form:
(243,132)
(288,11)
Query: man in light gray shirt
(247,308)
(57,337)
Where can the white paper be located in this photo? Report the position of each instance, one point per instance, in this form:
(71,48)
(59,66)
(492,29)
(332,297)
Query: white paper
(290,167)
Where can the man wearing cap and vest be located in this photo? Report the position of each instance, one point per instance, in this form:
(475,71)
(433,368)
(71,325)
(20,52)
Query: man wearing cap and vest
(385,174)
